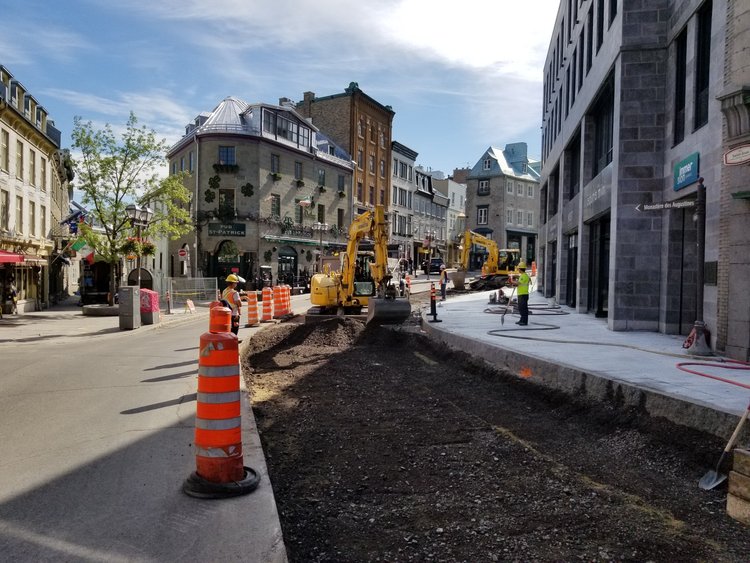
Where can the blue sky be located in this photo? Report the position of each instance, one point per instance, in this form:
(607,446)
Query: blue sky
(461,76)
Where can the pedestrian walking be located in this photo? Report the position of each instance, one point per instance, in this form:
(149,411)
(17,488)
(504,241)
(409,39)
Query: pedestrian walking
(443,281)
(232,296)
(522,288)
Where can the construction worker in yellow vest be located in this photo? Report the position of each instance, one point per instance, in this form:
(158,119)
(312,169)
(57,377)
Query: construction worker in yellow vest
(522,286)
(232,296)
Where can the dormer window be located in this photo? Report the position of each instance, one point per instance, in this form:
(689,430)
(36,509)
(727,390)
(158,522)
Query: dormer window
(487,164)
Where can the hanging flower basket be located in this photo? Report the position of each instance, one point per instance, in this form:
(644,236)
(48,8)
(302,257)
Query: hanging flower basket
(148,248)
(131,246)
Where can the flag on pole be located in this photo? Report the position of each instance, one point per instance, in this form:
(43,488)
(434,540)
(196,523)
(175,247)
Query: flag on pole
(78,245)
(87,253)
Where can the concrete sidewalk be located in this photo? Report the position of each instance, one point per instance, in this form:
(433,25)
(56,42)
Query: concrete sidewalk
(578,354)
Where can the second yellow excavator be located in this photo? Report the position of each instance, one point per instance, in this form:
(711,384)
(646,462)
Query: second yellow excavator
(499,266)
(363,281)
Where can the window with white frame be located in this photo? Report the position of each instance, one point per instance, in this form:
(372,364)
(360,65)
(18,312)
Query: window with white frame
(482,215)
(509,187)
(519,189)
(43,221)
(4,209)
(529,218)
(509,216)
(32,218)
(487,164)
(19,160)
(519,217)
(32,167)
(395,167)
(4,155)
(529,191)
(275,206)
(43,173)
(297,170)
(484,187)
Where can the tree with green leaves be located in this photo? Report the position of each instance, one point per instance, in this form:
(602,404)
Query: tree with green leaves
(114,172)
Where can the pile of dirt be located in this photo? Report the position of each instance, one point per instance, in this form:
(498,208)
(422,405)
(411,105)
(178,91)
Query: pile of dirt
(383,447)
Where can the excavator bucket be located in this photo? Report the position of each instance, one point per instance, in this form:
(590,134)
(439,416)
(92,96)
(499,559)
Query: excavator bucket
(388,311)
(459,280)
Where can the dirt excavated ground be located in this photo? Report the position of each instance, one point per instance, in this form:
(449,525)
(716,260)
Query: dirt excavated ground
(382,447)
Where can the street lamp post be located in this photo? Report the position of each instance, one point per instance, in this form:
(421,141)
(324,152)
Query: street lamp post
(321,228)
(140,217)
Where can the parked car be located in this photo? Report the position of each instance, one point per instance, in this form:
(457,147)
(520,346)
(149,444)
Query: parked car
(432,265)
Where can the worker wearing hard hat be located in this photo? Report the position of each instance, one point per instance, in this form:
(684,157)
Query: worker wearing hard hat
(522,286)
(232,296)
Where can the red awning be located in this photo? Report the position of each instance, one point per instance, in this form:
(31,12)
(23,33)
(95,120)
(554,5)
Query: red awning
(10,257)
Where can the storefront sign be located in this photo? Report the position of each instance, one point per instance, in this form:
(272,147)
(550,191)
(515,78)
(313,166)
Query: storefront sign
(738,155)
(686,171)
(226,229)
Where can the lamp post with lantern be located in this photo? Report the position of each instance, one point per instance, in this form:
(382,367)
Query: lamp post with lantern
(140,217)
(321,228)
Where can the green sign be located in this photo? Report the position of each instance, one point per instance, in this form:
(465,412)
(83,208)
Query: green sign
(226,229)
(686,171)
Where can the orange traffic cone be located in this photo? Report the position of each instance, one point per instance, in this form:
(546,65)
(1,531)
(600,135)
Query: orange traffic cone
(220,471)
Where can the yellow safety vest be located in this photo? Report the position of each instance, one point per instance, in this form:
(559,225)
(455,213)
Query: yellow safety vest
(523,284)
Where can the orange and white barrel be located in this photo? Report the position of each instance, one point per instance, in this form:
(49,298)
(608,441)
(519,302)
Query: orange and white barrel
(278,301)
(218,425)
(267,297)
(252,309)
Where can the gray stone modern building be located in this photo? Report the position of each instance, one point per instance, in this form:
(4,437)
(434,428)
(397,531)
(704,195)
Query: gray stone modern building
(641,99)
(502,200)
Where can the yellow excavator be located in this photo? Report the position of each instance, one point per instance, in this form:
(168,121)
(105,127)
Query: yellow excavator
(363,280)
(499,266)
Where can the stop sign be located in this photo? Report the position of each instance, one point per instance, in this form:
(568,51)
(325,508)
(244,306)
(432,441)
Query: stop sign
(182,253)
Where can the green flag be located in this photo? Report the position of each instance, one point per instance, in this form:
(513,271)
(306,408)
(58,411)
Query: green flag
(78,245)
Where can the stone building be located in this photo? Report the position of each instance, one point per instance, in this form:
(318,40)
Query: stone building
(502,200)
(403,186)
(363,127)
(35,179)
(632,118)
(270,193)
(455,225)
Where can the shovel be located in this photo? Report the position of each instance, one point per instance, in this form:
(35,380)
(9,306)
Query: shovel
(509,306)
(714,478)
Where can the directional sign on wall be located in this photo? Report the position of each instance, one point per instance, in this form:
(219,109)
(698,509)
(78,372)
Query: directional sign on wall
(665,205)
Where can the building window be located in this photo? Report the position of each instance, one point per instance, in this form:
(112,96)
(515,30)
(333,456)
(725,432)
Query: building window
(297,170)
(191,163)
(599,24)
(4,156)
(19,160)
(519,189)
(226,156)
(43,173)
(509,216)
(372,164)
(484,187)
(360,159)
(519,217)
(226,201)
(409,175)
(680,86)
(702,64)
(298,212)
(32,167)
(573,164)
(482,214)
(581,50)
(373,134)
(589,39)
(603,122)
(612,11)
(382,196)
(19,214)
(529,218)
(340,218)
(404,171)
(321,177)
(276,206)
(43,221)
(382,168)
(342,183)
(487,164)
(371,199)
(4,209)
(275,164)
(182,163)
(321,213)
(382,139)
(395,195)
(362,127)
(529,191)
(32,219)
(395,167)
(509,187)
(360,189)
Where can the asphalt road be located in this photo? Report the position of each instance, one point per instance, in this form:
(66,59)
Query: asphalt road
(96,436)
